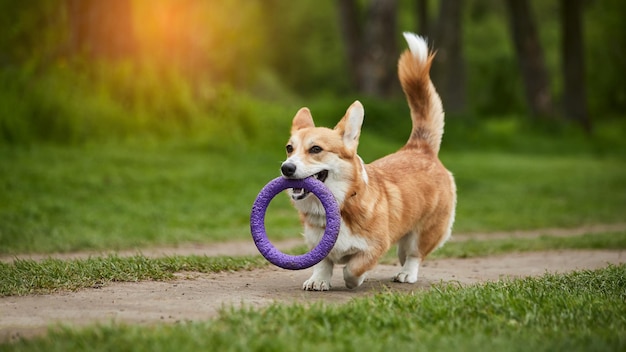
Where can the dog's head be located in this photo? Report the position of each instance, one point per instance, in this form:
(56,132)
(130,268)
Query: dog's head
(330,155)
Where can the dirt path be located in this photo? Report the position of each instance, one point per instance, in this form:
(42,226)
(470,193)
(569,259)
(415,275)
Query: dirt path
(194,296)
(240,248)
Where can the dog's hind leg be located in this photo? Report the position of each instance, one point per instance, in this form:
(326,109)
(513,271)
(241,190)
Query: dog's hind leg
(415,246)
(410,258)
(433,237)
(320,280)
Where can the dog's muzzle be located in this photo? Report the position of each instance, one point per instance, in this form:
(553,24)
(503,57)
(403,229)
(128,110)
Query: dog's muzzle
(289,169)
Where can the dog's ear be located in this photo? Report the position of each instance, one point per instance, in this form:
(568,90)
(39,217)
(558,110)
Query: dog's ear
(303,119)
(350,125)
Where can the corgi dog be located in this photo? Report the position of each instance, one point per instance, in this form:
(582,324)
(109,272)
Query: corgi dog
(407,197)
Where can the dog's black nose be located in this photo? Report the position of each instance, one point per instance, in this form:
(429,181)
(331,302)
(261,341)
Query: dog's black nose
(288,169)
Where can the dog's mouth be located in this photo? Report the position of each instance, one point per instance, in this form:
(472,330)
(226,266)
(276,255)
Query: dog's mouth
(301,193)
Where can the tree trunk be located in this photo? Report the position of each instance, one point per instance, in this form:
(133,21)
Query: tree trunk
(370,47)
(530,58)
(378,73)
(102,29)
(575,100)
(449,66)
(350,27)
(422,18)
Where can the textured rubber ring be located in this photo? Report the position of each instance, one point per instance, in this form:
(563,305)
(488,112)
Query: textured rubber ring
(257,223)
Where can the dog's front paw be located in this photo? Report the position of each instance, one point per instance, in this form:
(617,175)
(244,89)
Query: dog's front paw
(407,277)
(320,280)
(316,284)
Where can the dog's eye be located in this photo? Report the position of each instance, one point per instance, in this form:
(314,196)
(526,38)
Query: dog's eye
(315,149)
(289,148)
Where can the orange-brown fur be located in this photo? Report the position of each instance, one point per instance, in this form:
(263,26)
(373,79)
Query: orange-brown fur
(407,197)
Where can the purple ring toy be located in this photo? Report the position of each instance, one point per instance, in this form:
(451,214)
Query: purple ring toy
(257,223)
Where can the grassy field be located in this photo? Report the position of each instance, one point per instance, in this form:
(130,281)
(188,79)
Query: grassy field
(114,196)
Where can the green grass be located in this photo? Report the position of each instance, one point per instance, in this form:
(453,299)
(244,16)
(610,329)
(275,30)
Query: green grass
(23,277)
(477,248)
(61,199)
(581,311)
(29,276)
(499,191)
(482,248)
(58,199)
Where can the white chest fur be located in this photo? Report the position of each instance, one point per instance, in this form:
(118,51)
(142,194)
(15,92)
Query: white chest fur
(346,245)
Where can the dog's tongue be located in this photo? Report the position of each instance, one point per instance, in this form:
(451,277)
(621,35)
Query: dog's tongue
(298,193)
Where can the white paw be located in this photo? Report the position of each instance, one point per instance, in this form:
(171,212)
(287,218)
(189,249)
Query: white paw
(409,271)
(316,284)
(403,276)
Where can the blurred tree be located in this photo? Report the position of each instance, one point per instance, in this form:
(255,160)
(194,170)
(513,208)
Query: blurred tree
(101,29)
(350,27)
(572,56)
(449,66)
(605,40)
(370,45)
(303,50)
(31,32)
(530,58)
(423,23)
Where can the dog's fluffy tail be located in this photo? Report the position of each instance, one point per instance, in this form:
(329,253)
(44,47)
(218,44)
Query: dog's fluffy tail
(426,109)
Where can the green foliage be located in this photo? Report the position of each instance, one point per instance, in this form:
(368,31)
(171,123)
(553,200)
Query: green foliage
(176,83)
(494,85)
(119,102)
(305,47)
(31,32)
(265,47)
(605,58)
(580,311)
